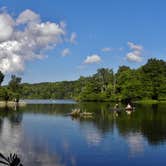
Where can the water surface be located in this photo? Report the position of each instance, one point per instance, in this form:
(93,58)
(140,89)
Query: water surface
(43,134)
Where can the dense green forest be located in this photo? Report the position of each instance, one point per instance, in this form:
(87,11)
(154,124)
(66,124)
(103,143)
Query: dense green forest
(146,82)
(12,91)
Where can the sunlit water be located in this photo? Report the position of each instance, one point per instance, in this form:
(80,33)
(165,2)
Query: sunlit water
(44,134)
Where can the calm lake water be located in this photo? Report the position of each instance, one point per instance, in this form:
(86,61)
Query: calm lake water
(43,134)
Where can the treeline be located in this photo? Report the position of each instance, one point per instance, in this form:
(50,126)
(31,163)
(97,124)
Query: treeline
(12,91)
(146,82)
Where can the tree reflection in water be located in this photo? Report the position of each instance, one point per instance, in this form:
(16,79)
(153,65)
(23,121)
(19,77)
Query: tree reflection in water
(148,120)
(12,139)
(147,125)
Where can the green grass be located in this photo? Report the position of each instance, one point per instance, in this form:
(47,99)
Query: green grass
(150,101)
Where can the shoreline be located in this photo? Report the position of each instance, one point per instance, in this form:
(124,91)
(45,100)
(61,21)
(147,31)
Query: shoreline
(24,103)
(150,101)
(11,104)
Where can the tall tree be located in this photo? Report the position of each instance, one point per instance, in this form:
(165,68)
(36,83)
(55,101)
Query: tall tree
(1,77)
(128,83)
(154,76)
(104,76)
(15,84)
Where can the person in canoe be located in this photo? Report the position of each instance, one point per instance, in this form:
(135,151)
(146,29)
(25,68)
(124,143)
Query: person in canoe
(129,107)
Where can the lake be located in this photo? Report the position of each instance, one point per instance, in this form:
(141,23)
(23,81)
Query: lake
(42,133)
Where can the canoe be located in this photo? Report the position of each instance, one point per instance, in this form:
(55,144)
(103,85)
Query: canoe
(129,109)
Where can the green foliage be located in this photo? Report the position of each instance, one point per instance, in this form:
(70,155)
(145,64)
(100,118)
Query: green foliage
(154,78)
(3,94)
(14,83)
(12,91)
(15,87)
(129,85)
(145,83)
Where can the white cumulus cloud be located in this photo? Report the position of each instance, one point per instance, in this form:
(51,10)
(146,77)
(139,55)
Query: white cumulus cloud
(135,55)
(6,26)
(73,38)
(27,16)
(92,59)
(25,38)
(65,52)
(135,46)
(106,49)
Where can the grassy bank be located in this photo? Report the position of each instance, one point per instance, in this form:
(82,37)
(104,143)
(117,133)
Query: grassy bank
(143,101)
(11,104)
(150,101)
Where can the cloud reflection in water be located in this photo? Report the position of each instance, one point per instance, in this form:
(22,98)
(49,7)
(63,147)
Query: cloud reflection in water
(12,140)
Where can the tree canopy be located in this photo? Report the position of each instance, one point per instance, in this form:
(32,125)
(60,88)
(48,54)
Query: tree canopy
(12,91)
(145,82)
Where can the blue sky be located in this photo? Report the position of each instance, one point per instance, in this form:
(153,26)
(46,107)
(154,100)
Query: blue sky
(108,33)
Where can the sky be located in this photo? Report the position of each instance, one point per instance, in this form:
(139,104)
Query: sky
(47,41)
